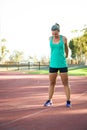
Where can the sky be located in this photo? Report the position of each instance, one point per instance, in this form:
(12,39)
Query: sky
(26,24)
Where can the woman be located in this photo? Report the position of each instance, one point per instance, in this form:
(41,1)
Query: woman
(59,53)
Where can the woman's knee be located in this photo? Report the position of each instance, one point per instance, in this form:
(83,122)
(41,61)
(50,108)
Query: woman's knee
(52,78)
(52,83)
(65,83)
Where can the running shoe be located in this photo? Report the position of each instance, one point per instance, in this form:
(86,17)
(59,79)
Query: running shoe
(48,103)
(68,104)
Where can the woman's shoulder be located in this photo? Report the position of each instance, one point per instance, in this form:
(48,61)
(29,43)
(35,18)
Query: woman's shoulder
(50,38)
(64,38)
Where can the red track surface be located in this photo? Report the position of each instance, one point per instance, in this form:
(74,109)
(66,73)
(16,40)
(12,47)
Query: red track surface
(21,103)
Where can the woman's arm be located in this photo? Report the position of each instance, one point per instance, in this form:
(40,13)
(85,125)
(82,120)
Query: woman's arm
(66,46)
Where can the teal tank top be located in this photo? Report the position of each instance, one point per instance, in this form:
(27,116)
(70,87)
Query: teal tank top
(57,58)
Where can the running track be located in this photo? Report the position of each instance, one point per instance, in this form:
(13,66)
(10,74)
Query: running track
(21,103)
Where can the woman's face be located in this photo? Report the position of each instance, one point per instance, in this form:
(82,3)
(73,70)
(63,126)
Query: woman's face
(55,33)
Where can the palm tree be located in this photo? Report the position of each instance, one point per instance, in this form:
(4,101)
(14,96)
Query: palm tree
(4,50)
(17,56)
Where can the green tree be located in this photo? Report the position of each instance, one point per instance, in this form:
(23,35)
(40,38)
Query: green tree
(73,49)
(78,46)
(84,43)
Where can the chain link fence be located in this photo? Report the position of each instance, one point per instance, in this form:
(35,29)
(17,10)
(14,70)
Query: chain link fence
(24,66)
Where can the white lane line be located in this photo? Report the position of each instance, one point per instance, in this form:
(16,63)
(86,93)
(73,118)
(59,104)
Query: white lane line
(37,113)
(77,97)
(30,115)
(23,117)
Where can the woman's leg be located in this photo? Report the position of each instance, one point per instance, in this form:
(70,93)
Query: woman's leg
(64,78)
(52,78)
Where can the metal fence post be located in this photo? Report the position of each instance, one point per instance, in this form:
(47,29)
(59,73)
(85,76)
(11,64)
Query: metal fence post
(7,66)
(29,65)
(39,65)
(18,65)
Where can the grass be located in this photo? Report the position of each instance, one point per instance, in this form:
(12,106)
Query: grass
(78,72)
(72,72)
(37,72)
